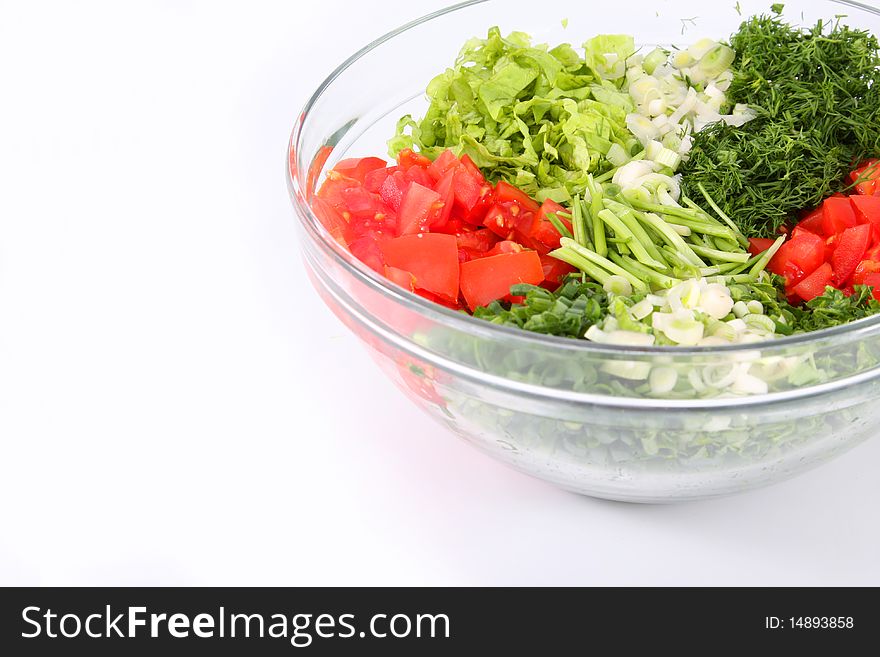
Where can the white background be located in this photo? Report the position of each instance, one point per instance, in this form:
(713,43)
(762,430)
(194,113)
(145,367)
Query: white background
(177,406)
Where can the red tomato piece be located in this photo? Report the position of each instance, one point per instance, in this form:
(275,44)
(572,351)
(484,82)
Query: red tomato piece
(505,219)
(431,258)
(357,168)
(408,158)
(488,279)
(453,226)
(837,215)
(368,249)
(863,270)
(473,196)
(420,207)
(544,235)
(870,172)
(393,188)
(360,204)
(798,257)
(813,222)
(333,221)
(420,175)
(401,277)
(814,285)
(867,209)
(481,239)
(798,230)
(332,188)
(807,251)
(443,301)
(444,187)
(466,254)
(849,252)
(873,253)
(779,260)
(505,192)
(554,271)
(759,244)
(444,162)
(504,246)
(374,179)
(472,168)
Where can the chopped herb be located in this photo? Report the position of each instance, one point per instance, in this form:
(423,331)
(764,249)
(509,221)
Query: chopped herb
(569,311)
(816,93)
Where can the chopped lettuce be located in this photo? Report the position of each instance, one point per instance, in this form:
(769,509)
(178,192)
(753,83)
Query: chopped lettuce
(540,119)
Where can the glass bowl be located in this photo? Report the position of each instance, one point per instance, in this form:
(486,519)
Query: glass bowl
(567,411)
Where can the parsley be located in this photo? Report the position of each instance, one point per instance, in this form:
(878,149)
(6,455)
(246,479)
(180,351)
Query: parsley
(816,93)
(832,308)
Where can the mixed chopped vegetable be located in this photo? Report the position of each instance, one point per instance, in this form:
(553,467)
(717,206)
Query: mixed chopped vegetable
(721,193)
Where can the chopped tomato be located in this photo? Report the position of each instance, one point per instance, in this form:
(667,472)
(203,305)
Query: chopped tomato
(472,168)
(813,222)
(420,207)
(362,205)
(837,215)
(333,187)
(374,179)
(358,168)
(367,248)
(831,244)
(849,252)
(408,158)
(798,257)
(333,221)
(814,285)
(402,277)
(873,253)
(799,230)
(420,175)
(509,217)
(447,195)
(481,239)
(443,301)
(466,254)
(554,271)
(504,246)
(392,189)
(444,162)
(432,259)
(867,209)
(473,196)
(505,192)
(544,235)
(488,279)
(869,171)
(863,270)
(759,244)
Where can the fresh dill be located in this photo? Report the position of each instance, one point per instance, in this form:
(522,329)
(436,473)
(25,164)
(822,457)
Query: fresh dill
(816,94)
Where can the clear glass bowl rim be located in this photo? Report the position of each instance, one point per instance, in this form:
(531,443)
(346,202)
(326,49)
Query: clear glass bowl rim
(868,326)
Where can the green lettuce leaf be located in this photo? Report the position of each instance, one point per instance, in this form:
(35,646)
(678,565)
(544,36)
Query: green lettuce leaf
(540,119)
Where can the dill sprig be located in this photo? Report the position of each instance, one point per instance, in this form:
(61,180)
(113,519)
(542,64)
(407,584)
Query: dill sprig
(816,93)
